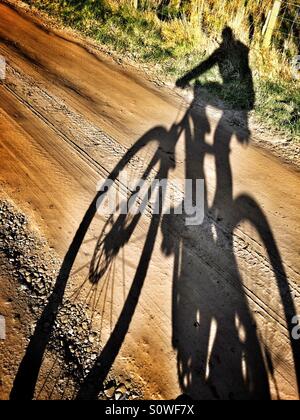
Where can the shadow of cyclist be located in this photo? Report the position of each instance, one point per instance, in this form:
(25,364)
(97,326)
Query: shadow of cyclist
(219,351)
(195,126)
(232,59)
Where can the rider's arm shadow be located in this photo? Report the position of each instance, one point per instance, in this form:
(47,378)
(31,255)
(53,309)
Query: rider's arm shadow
(200,69)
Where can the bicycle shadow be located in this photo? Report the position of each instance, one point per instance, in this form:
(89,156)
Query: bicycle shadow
(192,349)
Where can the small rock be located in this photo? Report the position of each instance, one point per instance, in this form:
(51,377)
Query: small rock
(110,392)
(122,389)
(118,395)
(2,328)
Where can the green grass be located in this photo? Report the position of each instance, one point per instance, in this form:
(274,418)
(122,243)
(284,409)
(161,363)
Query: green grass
(278,103)
(174,46)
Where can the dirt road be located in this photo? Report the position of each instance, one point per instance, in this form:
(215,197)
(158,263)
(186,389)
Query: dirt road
(208,309)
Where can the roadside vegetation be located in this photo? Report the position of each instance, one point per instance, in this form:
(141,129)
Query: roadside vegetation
(173,36)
